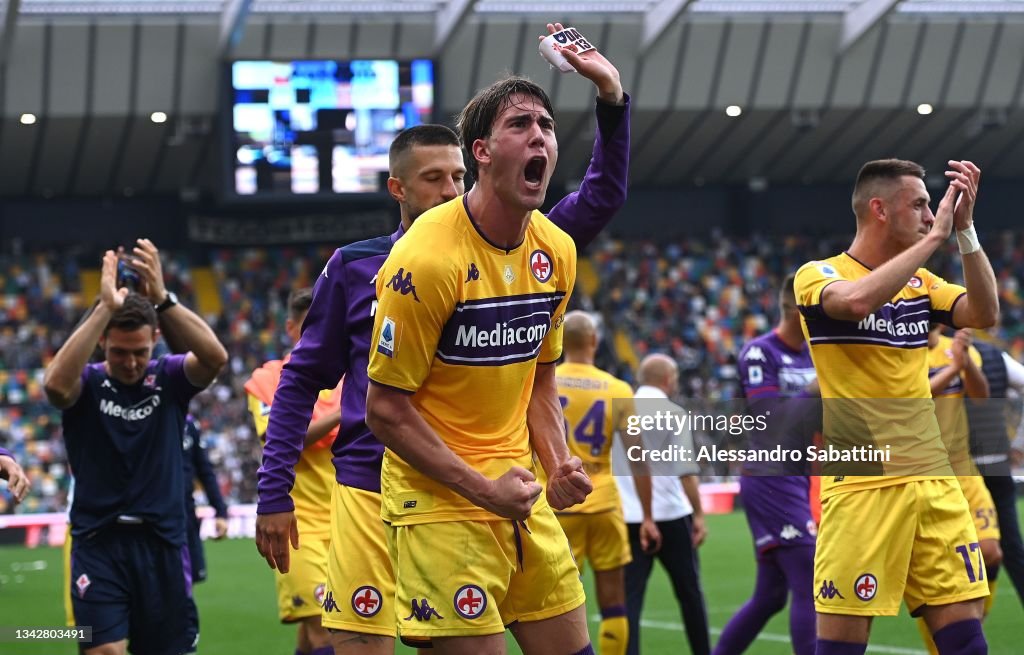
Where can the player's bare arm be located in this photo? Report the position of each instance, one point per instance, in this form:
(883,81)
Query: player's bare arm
(650,535)
(273,534)
(318,428)
(393,419)
(17,482)
(975,385)
(691,487)
(980,307)
(854,300)
(63,378)
(205,355)
(568,484)
(941,379)
(593,66)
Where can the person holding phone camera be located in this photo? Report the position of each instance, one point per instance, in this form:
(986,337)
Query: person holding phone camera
(123,419)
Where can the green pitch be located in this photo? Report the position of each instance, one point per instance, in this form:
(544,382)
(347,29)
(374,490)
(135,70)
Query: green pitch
(239,613)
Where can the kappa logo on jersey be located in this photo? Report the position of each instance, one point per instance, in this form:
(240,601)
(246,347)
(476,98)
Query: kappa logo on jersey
(474,273)
(755,354)
(495,331)
(82,583)
(541,266)
(402,283)
(366,601)
(318,593)
(789,532)
(140,410)
(866,587)
(786,359)
(828,591)
(422,611)
(386,342)
(915,282)
(470,601)
(329,605)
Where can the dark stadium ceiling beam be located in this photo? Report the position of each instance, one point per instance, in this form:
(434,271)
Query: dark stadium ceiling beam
(861,18)
(232,25)
(10,20)
(658,18)
(448,19)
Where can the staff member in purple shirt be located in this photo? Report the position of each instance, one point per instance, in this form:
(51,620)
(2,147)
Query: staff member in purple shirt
(427,169)
(18,483)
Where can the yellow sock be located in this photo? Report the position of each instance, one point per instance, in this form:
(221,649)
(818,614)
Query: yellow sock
(926,636)
(614,635)
(991,595)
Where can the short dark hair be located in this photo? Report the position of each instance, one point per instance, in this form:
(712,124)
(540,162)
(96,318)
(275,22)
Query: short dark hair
(136,312)
(880,171)
(787,292)
(299,302)
(477,117)
(430,134)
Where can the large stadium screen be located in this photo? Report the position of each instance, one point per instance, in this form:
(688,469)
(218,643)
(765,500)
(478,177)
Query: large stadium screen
(309,128)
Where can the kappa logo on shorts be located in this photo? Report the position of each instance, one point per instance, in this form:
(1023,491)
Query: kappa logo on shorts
(828,591)
(329,605)
(422,611)
(540,265)
(298,602)
(470,601)
(366,601)
(866,587)
(318,594)
(82,583)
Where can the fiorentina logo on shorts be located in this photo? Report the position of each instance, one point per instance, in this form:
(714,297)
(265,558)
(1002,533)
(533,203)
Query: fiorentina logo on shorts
(470,601)
(540,265)
(82,583)
(366,601)
(866,587)
(812,528)
(915,282)
(319,593)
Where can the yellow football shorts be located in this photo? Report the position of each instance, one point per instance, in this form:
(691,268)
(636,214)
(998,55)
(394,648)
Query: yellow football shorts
(913,541)
(360,580)
(983,509)
(301,591)
(471,578)
(600,537)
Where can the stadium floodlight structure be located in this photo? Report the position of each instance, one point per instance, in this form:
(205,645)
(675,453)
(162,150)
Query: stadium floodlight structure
(9,18)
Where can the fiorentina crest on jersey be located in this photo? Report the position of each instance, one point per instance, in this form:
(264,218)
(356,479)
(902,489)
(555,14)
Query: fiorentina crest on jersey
(541,266)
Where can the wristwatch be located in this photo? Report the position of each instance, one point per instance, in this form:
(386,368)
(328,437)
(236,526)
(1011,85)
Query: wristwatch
(169,301)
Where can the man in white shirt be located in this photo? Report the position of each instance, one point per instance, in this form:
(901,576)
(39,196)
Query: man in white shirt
(677,512)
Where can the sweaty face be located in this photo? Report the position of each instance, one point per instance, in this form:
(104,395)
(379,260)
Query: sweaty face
(521,153)
(127,353)
(910,217)
(429,176)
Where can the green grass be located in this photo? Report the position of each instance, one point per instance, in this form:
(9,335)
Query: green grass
(238,610)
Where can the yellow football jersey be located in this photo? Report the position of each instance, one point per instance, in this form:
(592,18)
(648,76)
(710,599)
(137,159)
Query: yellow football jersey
(873,374)
(314,473)
(462,324)
(949,406)
(592,417)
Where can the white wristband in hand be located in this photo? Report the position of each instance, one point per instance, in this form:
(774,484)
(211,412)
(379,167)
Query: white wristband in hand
(968,240)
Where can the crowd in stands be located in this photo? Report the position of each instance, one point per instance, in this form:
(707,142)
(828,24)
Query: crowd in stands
(699,300)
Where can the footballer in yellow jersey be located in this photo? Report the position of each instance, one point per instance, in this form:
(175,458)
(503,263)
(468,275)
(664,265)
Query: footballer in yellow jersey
(467,329)
(300,591)
(596,406)
(896,533)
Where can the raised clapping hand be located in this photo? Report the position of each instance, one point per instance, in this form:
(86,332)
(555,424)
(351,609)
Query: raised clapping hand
(965,176)
(569,485)
(146,260)
(110,295)
(593,66)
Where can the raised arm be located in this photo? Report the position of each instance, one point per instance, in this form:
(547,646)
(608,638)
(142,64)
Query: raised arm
(17,482)
(980,307)
(63,378)
(182,328)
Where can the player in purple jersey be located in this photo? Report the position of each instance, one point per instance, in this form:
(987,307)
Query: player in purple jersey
(775,367)
(18,483)
(123,419)
(427,170)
